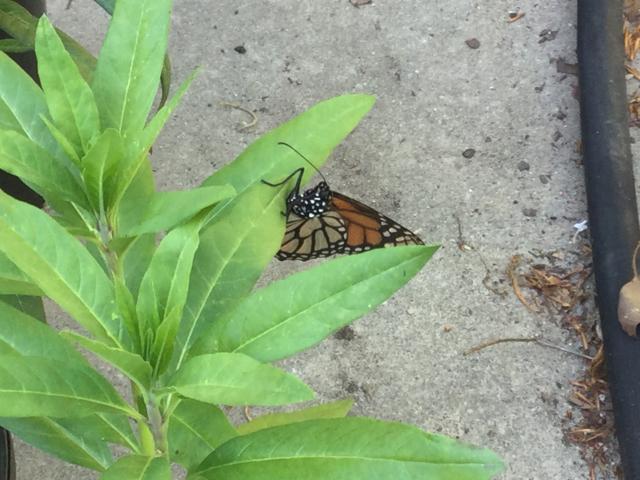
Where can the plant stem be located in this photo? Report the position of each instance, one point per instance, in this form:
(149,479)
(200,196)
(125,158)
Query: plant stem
(158,429)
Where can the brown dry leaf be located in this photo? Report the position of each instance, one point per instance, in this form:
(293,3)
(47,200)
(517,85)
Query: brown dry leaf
(631,9)
(562,288)
(634,110)
(631,34)
(633,71)
(592,430)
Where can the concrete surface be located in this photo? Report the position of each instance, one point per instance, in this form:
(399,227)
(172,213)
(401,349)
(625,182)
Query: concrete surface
(437,97)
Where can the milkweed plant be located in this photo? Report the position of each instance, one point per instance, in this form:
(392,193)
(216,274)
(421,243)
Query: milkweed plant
(161,286)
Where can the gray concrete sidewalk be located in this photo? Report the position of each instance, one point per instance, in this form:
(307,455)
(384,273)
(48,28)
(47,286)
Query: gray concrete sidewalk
(518,188)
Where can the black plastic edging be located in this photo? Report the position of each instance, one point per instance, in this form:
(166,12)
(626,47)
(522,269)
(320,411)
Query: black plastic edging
(7,465)
(611,199)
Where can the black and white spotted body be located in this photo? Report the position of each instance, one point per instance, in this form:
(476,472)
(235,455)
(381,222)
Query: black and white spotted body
(311,202)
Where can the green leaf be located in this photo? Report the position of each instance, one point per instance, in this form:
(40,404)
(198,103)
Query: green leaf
(15,20)
(136,259)
(100,169)
(69,148)
(20,24)
(232,254)
(165,210)
(80,441)
(295,313)
(42,172)
(163,342)
(165,81)
(166,282)
(11,45)
(21,334)
(32,306)
(195,430)
(126,306)
(315,133)
(165,78)
(127,74)
(7,120)
(136,186)
(235,379)
(336,409)
(84,60)
(80,223)
(108,427)
(70,100)
(152,130)
(348,449)
(50,256)
(137,467)
(13,281)
(24,99)
(47,387)
(131,364)
(72,446)
(107,5)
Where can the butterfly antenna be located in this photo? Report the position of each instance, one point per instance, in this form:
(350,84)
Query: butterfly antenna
(305,159)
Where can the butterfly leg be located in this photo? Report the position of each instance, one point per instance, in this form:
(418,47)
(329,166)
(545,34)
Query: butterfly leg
(296,188)
(299,172)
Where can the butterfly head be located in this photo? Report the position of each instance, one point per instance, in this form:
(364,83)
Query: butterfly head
(311,202)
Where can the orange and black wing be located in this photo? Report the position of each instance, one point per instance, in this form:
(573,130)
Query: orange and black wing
(367,228)
(308,238)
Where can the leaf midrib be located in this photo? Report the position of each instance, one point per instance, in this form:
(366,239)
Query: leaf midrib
(349,457)
(134,57)
(68,396)
(318,303)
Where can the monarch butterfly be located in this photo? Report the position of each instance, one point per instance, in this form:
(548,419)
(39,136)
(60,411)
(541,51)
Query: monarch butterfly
(322,223)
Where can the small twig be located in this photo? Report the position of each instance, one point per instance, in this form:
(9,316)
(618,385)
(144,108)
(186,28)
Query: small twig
(513,264)
(564,349)
(496,341)
(515,17)
(254,117)
(537,340)
(462,245)
(69,2)
(247,414)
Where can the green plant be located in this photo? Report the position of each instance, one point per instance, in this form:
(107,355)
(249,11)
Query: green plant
(161,285)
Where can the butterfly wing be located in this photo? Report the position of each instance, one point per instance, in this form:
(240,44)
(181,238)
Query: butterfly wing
(367,228)
(308,238)
(347,226)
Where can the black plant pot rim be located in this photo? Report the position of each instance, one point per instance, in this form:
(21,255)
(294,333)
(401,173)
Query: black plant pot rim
(7,462)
